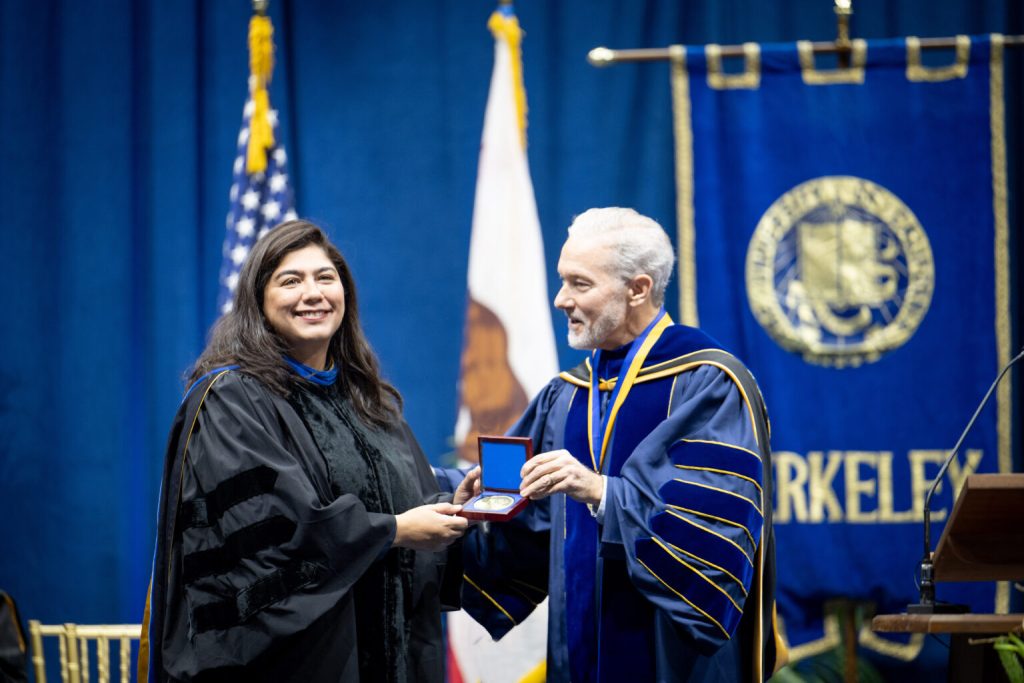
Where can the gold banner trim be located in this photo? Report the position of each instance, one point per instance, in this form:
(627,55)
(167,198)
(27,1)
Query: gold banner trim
(920,73)
(748,79)
(685,229)
(813,76)
(1004,398)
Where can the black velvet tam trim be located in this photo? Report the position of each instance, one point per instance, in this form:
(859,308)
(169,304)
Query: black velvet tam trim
(238,546)
(217,616)
(206,511)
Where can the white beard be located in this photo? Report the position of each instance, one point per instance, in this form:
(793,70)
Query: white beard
(594,333)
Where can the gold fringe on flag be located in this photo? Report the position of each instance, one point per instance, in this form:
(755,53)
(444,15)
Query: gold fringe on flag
(261,66)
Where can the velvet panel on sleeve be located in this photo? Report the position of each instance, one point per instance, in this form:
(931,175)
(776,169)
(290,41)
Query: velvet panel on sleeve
(507,563)
(687,508)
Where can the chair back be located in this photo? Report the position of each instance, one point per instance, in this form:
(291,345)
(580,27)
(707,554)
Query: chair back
(76,641)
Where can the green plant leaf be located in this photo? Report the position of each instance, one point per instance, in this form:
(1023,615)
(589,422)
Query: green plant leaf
(1010,656)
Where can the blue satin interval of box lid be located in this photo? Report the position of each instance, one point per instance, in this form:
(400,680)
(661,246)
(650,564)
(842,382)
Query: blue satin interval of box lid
(501,463)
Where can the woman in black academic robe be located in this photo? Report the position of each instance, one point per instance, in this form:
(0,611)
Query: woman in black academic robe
(300,535)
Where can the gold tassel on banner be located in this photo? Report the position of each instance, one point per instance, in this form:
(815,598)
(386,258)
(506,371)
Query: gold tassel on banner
(261,66)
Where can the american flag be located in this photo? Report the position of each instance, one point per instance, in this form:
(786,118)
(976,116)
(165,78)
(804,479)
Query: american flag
(259,201)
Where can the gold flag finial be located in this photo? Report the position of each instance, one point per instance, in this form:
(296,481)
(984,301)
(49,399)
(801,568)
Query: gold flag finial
(600,56)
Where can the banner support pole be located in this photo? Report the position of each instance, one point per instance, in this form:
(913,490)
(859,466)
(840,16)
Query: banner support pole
(603,56)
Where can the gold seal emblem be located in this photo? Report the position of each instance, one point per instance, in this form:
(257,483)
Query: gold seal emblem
(840,271)
(493,502)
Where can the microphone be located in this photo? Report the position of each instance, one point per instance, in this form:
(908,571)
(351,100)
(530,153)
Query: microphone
(927,605)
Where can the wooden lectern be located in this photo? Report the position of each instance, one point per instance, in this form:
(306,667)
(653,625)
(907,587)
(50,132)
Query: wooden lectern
(983,541)
(984,538)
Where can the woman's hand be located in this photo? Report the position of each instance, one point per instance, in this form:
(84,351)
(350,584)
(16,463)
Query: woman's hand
(469,487)
(429,527)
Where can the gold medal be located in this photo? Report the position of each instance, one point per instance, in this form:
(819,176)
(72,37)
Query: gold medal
(493,503)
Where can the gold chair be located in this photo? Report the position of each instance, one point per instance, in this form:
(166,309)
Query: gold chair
(73,640)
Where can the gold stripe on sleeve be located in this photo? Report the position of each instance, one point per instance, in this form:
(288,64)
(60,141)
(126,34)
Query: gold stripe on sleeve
(697,572)
(493,601)
(721,443)
(683,598)
(753,544)
(718,471)
(710,564)
(715,488)
(713,533)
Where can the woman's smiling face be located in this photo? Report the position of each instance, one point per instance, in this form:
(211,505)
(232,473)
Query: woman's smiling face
(304,302)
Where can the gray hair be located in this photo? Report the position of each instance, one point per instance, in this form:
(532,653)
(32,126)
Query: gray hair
(639,244)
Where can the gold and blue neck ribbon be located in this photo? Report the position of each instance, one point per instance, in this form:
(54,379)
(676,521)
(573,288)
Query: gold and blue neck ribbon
(638,350)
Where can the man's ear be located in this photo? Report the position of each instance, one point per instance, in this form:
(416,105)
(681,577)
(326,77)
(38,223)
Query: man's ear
(640,290)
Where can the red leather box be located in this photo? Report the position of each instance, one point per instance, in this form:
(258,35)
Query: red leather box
(501,459)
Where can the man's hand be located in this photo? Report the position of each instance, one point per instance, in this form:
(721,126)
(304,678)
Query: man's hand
(429,527)
(559,472)
(469,487)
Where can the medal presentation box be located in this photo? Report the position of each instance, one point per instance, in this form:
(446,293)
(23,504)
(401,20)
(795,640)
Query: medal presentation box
(501,459)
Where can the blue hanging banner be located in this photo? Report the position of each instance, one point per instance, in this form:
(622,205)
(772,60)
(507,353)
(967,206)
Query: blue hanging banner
(844,232)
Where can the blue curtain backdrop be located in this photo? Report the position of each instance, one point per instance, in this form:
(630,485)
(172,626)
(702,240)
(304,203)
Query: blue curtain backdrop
(118,122)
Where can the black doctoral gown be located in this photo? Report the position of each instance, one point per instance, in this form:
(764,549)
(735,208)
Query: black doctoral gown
(271,564)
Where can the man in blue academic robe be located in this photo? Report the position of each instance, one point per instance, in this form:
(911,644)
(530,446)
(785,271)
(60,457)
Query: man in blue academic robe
(651,534)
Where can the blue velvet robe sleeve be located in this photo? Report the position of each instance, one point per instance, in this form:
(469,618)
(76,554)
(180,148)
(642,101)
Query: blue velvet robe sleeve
(506,564)
(687,505)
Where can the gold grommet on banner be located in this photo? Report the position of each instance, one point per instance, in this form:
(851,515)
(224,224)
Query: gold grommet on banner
(918,72)
(851,74)
(749,79)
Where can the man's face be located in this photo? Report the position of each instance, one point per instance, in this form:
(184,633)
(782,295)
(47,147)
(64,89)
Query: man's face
(593,296)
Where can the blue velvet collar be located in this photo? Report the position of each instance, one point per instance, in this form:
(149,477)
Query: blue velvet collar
(324,378)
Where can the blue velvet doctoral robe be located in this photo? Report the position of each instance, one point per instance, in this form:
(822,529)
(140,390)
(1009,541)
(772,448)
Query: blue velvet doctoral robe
(676,582)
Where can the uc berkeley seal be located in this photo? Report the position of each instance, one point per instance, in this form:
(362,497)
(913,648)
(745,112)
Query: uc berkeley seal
(840,271)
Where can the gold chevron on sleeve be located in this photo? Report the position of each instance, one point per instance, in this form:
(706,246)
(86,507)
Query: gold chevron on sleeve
(696,571)
(715,488)
(721,443)
(713,533)
(710,564)
(705,515)
(719,471)
(684,599)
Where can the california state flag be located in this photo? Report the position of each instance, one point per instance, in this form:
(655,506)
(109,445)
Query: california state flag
(508,352)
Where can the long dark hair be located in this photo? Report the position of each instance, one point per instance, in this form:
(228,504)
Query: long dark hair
(243,336)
